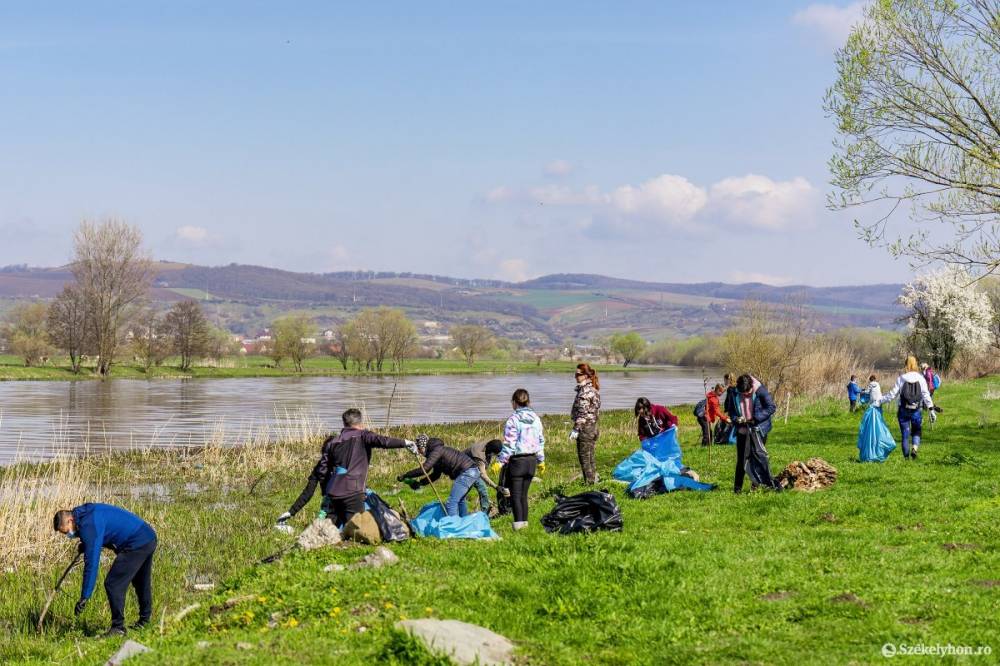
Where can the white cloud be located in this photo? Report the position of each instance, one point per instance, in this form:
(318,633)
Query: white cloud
(832,22)
(513,270)
(760,202)
(668,199)
(740,277)
(499,194)
(559,168)
(192,234)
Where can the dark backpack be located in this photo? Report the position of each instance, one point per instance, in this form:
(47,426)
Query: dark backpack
(699,409)
(911,396)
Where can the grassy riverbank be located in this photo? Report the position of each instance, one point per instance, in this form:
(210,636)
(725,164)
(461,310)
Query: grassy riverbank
(13,368)
(903,553)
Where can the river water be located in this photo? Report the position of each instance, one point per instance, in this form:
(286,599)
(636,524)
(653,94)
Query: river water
(39,420)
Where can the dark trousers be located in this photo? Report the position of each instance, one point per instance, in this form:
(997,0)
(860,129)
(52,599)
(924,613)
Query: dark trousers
(854,405)
(135,567)
(342,509)
(754,460)
(520,471)
(586,442)
(706,431)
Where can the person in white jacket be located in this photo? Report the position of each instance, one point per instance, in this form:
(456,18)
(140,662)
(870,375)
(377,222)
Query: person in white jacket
(874,391)
(911,387)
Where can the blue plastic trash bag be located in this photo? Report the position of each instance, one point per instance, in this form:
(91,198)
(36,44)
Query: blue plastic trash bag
(432,522)
(664,446)
(875,442)
(658,459)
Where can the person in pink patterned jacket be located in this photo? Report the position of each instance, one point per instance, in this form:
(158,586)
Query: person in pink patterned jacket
(523,454)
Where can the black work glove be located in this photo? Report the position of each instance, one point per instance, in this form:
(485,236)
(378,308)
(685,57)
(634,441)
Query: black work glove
(937,409)
(401,478)
(80,548)
(80,605)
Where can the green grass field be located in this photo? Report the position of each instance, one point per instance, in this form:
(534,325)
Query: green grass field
(901,552)
(13,368)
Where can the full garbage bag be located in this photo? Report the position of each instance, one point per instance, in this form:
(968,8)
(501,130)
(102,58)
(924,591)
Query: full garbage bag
(431,521)
(875,441)
(390,525)
(756,462)
(659,461)
(586,512)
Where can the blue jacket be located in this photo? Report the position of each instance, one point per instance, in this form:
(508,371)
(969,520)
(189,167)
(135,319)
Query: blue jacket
(853,391)
(106,526)
(763,407)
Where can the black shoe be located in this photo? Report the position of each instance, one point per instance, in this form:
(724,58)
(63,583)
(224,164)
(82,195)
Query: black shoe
(913,454)
(114,632)
(141,624)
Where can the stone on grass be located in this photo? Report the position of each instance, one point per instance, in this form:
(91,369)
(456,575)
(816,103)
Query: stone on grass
(128,649)
(334,567)
(363,529)
(462,642)
(810,475)
(382,557)
(318,535)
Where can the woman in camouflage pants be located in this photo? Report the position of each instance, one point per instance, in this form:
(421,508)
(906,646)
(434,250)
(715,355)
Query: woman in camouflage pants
(585,414)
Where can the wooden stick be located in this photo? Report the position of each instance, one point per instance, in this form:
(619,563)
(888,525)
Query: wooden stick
(52,594)
(433,487)
(788,405)
(388,409)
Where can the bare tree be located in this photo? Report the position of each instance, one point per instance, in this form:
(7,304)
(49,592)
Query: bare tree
(605,347)
(188,330)
(26,333)
(340,348)
(291,335)
(384,333)
(570,347)
(150,342)
(67,324)
(472,341)
(113,273)
(220,343)
(917,106)
(768,342)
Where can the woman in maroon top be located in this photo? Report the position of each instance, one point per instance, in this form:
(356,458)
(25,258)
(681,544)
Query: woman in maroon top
(653,419)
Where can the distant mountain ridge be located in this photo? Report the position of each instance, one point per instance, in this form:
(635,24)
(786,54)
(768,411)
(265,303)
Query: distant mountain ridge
(541,311)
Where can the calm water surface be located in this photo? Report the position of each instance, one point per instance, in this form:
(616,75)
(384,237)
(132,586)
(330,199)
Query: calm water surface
(41,419)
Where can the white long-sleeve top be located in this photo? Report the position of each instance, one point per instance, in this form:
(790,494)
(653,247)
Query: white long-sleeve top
(874,392)
(906,378)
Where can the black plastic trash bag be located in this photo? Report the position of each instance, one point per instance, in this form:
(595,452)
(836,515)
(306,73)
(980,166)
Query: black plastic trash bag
(586,512)
(723,432)
(655,487)
(390,525)
(756,463)
(503,502)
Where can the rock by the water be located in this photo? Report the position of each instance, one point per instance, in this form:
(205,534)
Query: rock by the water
(813,474)
(464,643)
(128,649)
(318,535)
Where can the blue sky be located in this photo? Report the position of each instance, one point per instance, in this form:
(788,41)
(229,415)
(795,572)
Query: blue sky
(663,140)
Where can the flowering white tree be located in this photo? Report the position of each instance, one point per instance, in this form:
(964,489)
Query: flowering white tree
(947,314)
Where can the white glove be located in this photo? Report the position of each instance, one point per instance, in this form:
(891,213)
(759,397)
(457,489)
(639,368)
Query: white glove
(283,517)
(933,416)
(505,491)
(411,446)
(573,435)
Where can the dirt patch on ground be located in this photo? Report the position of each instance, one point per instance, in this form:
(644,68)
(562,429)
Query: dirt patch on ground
(829,518)
(780,595)
(849,598)
(961,546)
(987,583)
(912,620)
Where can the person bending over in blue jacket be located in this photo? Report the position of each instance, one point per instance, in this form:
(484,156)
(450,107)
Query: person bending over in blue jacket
(131,539)
(750,406)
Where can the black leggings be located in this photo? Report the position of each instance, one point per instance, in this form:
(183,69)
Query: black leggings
(520,471)
(135,567)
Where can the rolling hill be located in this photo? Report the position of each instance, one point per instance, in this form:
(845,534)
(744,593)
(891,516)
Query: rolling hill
(537,312)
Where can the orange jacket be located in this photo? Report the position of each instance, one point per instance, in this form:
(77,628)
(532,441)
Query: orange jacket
(713,412)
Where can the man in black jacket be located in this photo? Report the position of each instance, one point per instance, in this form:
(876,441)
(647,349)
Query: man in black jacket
(440,459)
(312,482)
(343,466)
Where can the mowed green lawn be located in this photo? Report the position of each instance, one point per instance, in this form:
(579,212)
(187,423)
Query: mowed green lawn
(904,552)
